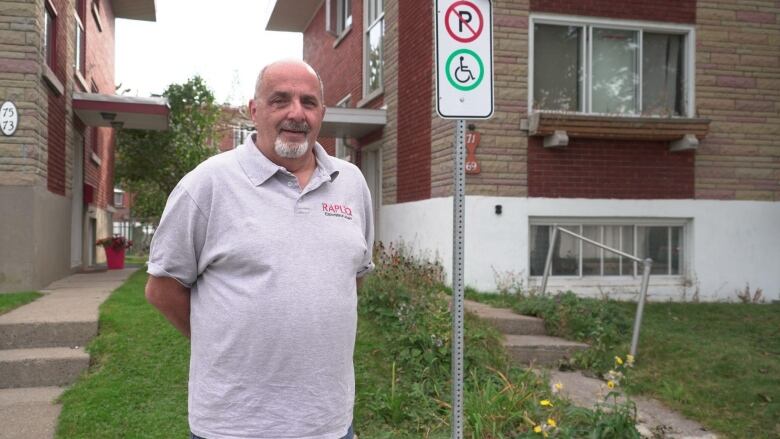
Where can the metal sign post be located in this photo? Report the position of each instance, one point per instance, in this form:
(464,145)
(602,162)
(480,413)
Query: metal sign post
(464,90)
(458,214)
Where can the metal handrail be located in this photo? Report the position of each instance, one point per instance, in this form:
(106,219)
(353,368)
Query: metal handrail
(648,264)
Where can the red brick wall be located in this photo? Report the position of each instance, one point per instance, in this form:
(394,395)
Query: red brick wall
(346,75)
(677,11)
(609,169)
(99,57)
(415,63)
(55,118)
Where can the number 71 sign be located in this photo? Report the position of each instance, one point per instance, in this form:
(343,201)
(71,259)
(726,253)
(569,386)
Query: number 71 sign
(464,59)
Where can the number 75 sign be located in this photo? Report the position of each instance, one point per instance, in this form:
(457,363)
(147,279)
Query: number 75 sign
(464,59)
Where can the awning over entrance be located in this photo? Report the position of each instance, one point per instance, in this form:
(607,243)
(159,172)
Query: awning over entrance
(352,122)
(292,16)
(104,110)
(134,9)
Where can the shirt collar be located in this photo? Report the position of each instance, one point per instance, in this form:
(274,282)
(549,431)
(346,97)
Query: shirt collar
(258,168)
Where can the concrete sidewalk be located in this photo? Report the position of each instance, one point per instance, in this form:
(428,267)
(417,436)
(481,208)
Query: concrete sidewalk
(42,350)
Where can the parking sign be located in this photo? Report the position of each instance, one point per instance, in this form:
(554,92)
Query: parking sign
(464,59)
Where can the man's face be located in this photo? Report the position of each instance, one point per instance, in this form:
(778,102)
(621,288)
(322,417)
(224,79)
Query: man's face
(288,112)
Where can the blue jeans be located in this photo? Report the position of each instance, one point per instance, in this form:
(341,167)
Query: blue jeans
(350,434)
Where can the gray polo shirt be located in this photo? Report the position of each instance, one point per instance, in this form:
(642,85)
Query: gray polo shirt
(272,270)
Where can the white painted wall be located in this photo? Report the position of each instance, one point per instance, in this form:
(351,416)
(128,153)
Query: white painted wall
(728,243)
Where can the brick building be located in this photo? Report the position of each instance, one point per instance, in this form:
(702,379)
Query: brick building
(650,126)
(56,169)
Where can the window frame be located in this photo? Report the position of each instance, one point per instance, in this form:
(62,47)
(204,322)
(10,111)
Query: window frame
(240,133)
(581,222)
(341,18)
(639,26)
(369,95)
(50,34)
(79,50)
(121,194)
(340,148)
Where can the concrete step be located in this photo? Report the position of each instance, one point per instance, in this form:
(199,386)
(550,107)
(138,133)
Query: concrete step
(506,320)
(20,335)
(18,407)
(39,367)
(540,350)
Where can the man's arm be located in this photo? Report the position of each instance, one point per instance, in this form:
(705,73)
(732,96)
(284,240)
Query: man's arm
(172,299)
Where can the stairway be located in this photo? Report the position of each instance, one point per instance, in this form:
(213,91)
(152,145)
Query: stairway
(42,350)
(525,338)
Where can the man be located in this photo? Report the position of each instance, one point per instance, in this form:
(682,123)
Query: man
(256,259)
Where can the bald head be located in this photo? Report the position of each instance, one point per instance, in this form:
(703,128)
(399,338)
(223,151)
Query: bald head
(282,64)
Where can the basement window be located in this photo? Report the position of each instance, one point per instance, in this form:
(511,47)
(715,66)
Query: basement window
(662,241)
(611,67)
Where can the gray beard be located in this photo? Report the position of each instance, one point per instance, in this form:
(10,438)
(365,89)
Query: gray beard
(290,150)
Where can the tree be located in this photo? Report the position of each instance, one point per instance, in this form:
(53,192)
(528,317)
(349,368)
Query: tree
(151,163)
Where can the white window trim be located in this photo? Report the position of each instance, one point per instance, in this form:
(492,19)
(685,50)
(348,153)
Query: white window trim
(341,142)
(686,239)
(367,97)
(81,50)
(640,26)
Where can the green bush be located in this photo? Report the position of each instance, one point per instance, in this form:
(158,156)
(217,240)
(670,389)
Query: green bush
(407,302)
(603,324)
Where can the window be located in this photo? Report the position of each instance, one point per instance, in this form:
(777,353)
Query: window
(374,34)
(96,14)
(78,53)
(338,16)
(119,198)
(344,17)
(609,67)
(49,34)
(343,150)
(663,243)
(240,133)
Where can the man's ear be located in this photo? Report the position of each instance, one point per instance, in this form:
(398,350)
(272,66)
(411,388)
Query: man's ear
(252,108)
(323,110)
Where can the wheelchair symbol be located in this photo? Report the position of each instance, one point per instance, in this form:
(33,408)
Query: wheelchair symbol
(469,71)
(463,70)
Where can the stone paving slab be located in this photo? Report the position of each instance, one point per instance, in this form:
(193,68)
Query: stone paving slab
(506,320)
(654,419)
(68,309)
(29,413)
(540,349)
(41,366)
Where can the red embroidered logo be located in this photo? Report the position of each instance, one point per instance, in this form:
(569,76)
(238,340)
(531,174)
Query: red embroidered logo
(337,210)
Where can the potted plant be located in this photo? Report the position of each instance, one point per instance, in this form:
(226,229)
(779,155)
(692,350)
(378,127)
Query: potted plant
(115,247)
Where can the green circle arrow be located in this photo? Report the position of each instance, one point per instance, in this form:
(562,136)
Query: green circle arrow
(481,70)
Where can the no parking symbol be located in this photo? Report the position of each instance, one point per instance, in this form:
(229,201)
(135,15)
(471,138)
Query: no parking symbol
(464,53)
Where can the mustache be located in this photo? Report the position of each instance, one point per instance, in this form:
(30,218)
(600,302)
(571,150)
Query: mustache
(290,125)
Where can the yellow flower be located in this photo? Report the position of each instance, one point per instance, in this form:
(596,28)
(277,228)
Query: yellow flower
(546,403)
(557,387)
(538,429)
(551,422)
(630,359)
(611,384)
(618,361)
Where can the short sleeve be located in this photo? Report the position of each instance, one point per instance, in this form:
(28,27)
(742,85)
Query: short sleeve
(178,241)
(367,266)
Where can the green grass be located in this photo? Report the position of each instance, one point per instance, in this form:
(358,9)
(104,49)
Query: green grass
(716,363)
(137,383)
(10,301)
(136,259)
